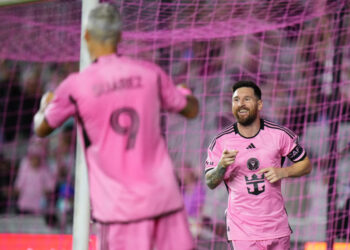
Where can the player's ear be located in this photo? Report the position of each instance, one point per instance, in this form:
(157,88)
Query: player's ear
(87,35)
(260,105)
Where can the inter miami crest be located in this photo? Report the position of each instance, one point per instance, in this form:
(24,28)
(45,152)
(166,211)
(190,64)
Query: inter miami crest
(255,181)
(253,164)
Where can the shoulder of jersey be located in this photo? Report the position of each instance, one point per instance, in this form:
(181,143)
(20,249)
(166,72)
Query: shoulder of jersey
(142,63)
(283,129)
(72,77)
(228,130)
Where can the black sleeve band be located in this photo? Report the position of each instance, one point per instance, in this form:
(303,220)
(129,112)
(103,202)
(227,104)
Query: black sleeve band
(296,153)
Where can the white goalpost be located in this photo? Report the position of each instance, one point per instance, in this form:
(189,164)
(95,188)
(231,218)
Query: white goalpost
(81,217)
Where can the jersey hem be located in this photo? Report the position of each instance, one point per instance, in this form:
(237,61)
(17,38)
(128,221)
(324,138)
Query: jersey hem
(262,238)
(140,219)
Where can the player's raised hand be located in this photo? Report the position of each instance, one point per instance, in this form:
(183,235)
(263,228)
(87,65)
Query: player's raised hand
(183,88)
(228,157)
(45,100)
(274,174)
(41,127)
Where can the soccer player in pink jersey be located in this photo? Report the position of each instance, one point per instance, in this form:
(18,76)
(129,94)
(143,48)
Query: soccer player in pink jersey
(117,101)
(248,157)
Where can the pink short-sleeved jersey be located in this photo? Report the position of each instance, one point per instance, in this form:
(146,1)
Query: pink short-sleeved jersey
(117,102)
(255,208)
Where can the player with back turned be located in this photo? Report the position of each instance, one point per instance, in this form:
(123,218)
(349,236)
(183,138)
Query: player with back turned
(135,198)
(248,156)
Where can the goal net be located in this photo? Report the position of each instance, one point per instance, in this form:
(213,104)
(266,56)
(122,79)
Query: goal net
(296,50)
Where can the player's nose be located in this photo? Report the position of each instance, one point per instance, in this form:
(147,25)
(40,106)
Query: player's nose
(241,103)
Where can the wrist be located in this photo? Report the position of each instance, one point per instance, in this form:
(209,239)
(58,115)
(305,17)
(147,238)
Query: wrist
(221,166)
(285,172)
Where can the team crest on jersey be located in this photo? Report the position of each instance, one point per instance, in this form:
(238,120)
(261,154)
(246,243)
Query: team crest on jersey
(253,164)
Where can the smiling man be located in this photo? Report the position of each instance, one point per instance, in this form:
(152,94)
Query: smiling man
(248,156)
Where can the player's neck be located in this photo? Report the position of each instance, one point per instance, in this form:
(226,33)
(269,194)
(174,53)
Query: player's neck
(250,130)
(99,51)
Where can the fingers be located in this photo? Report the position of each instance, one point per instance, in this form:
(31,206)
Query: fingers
(271,177)
(271,174)
(228,157)
(184,89)
(230,153)
(268,174)
(46,99)
(264,170)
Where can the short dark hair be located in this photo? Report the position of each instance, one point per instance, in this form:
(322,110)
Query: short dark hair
(247,84)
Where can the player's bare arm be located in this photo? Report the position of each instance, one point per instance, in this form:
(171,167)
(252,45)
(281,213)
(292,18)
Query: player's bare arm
(215,176)
(41,126)
(298,169)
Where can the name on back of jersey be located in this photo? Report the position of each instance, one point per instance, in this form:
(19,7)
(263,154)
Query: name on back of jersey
(132,82)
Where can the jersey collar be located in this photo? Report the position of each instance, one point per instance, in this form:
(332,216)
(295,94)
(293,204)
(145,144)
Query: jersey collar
(105,58)
(235,128)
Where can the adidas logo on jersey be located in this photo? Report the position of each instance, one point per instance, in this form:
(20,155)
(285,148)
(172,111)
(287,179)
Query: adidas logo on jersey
(251,145)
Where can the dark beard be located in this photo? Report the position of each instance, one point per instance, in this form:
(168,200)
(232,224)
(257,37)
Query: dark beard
(249,120)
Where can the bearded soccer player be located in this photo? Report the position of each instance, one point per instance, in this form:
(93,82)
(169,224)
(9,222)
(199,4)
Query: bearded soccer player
(135,198)
(248,156)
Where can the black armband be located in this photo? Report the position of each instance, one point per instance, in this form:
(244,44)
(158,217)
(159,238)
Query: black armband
(297,154)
